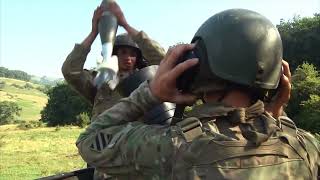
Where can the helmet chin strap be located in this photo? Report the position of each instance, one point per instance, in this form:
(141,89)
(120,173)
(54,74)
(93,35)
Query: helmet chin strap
(202,97)
(223,94)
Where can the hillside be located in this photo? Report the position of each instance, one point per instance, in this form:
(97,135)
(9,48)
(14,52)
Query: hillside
(39,152)
(28,95)
(29,153)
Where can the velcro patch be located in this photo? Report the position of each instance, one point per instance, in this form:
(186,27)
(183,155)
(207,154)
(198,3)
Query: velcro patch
(101,141)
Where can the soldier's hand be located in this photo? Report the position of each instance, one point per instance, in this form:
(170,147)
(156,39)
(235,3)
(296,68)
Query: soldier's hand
(283,95)
(115,9)
(285,85)
(95,19)
(163,85)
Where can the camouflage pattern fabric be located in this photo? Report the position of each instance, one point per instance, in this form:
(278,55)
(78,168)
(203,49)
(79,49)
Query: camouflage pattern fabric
(212,142)
(82,80)
(151,50)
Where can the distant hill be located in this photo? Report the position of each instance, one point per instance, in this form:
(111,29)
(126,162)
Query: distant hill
(44,80)
(29,96)
(21,75)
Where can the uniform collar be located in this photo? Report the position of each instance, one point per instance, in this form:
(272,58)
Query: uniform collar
(242,117)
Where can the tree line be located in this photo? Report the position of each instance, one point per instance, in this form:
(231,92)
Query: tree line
(301,40)
(301,48)
(14,74)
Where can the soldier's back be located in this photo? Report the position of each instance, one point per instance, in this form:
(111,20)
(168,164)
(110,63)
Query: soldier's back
(222,152)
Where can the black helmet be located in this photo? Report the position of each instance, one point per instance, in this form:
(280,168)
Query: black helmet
(124,40)
(160,114)
(238,46)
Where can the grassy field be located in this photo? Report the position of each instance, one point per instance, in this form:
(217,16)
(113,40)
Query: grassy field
(30,100)
(34,153)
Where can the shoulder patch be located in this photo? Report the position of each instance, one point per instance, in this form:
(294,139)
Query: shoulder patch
(101,141)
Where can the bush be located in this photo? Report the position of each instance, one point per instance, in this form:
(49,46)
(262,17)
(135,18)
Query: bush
(58,128)
(309,115)
(2,84)
(8,111)
(17,86)
(304,105)
(63,107)
(30,124)
(10,96)
(82,120)
(28,86)
(45,89)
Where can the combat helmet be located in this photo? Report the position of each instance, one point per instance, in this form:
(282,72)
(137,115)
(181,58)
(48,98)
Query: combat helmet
(160,114)
(237,46)
(124,40)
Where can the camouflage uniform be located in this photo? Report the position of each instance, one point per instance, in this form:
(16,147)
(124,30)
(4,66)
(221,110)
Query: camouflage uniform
(214,142)
(82,80)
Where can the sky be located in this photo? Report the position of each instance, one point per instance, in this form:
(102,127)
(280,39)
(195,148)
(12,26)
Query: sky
(37,35)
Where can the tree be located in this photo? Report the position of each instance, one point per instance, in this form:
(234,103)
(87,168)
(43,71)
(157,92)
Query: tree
(28,86)
(309,116)
(45,88)
(3,71)
(304,105)
(301,40)
(8,111)
(82,120)
(15,74)
(64,105)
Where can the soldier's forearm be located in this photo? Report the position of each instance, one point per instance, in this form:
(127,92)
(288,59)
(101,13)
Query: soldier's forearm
(128,109)
(75,75)
(151,49)
(131,30)
(87,42)
(116,139)
(75,61)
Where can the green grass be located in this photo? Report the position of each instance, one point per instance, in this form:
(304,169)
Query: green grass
(31,101)
(30,110)
(14,90)
(17,81)
(40,152)
(34,153)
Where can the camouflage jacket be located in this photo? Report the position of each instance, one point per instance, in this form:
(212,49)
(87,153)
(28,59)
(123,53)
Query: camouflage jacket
(82,80)
(213,142)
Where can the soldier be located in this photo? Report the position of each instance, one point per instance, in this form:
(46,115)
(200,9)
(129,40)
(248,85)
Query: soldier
(232,135)
(130,48)
(152,50)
